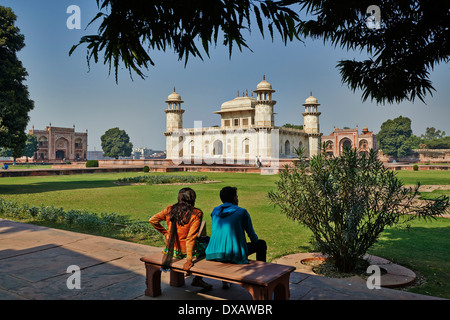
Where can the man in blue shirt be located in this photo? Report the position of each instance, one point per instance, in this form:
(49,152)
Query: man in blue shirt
(229,225)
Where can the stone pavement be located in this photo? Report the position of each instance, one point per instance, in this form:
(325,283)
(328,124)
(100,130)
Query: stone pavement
(34,261)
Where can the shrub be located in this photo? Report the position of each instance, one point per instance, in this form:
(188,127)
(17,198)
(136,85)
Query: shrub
(415,167)
(50,213)
(347,202)
(146,169)
(137,227)
(80,218)
(33,211)
(91,163)
(163,179)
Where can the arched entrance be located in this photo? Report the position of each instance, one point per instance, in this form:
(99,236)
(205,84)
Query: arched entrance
(287,148)
(60,155)
(62,147)
(329,145)
(217,148)
(345,144)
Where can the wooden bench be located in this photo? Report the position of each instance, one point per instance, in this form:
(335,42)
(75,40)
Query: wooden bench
(260,279)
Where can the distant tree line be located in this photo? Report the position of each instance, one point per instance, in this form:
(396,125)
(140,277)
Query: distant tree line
(397,139)
(293,126)
(31,146)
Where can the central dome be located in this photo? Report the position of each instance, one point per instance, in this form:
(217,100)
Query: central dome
(238,103)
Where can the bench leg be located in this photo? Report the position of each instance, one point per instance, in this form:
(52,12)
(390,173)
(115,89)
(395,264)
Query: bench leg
(176,279)
(257,292)
(279,289)
(153,281)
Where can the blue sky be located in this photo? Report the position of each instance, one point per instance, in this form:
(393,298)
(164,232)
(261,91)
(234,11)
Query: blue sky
(67,93)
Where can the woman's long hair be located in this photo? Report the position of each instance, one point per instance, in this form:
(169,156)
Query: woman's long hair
(180,214)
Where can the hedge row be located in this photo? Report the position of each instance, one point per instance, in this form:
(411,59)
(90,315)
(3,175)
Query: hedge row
(92,164)
(161,179)
(80,218)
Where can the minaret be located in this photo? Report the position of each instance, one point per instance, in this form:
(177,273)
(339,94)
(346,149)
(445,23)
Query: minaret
(264,104)
(174,122)
(311,124)
(174,118)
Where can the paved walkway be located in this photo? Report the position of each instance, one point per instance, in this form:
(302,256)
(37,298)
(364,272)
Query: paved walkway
(34,262)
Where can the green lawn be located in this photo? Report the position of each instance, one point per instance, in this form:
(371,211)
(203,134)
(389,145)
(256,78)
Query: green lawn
(98,193)
(424,248)
(424,176)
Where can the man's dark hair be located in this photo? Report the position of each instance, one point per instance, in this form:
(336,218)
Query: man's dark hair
(227,194)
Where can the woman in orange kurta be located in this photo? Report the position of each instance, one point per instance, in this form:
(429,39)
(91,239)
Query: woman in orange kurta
(183,225)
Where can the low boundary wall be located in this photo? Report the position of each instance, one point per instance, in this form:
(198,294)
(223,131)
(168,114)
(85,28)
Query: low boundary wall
(167,166)
(69,171)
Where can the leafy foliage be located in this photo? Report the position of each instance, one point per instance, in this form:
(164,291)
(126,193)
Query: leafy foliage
(347,202)
(163,179)
(413,38)
(86,220)
(91,163)
(31,146)
(435,139)
(28,150)
(15,103)
(5,152)
(431,133)
(395,137)
(130,27)
(293,126)
(116,143)
(442,143)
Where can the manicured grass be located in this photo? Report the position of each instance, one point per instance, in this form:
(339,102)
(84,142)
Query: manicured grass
(425,248)
(424,176)
(98,193)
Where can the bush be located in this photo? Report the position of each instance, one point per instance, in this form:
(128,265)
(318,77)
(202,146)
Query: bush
(91,163)
(163,179)
(415,167)
(347,202)
(146,169)
(77,218)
